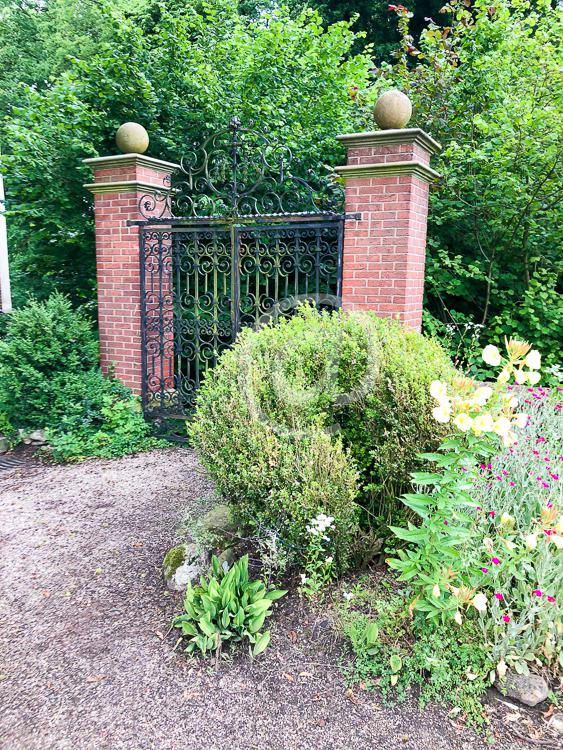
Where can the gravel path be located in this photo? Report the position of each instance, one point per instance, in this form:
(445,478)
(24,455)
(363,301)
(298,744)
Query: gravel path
(86,662)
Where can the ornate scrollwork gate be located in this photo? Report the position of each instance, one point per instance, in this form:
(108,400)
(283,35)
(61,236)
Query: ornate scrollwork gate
(234,239)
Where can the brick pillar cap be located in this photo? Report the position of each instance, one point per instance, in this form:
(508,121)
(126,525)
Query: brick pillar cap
(391,137)
(129,160)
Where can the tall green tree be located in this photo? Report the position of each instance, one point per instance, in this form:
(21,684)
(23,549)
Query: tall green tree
(183,71)
(487,85)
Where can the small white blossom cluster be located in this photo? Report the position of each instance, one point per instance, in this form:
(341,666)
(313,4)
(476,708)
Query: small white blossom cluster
(320,524)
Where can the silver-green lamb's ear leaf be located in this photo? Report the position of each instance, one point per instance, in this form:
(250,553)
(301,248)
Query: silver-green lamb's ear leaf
(261,643)
(276,594)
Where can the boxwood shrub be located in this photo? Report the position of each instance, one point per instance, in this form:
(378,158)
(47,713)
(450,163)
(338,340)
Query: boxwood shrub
(320,412)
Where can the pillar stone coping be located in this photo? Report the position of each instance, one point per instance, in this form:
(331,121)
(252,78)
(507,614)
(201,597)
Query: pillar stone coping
(128,186)
(389,169)
(391,137)
(130,160)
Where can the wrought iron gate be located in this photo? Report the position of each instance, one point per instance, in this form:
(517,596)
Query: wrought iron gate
(204,277)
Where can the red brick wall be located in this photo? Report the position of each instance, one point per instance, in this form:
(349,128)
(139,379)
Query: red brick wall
(118,263)
(384,252)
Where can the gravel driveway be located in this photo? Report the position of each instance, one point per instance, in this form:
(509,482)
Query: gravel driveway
(86,662)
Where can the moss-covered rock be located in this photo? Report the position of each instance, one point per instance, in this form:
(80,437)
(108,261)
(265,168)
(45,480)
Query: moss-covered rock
(182,564)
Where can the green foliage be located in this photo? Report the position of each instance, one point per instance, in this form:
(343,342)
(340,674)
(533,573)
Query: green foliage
(486,84)
(49,378)
(289,412)
(488,543)
(46,346)
(227,608)
(182,71)
(395,652)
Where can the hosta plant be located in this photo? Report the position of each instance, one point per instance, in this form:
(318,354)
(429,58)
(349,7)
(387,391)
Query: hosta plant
(226,608)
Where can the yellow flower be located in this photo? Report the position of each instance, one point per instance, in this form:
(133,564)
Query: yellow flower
(531,541)
(559,526)
(533,360)
(479,601)
(504,377)
(482,395)
(502,426)
(438,390)
(483,423)
(441,413)
(463,422)
(491,356)
(517,349)
(534,378)
(506,519)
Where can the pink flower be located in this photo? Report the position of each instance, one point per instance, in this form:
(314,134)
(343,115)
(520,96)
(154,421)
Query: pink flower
(499,596)
(485,570)
(506,618)
(513,484)
(495,561)
(445,523)
(551,599)
(537,592)
(492,513)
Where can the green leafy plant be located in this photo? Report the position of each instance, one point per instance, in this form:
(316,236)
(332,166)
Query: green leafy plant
(394,652)
(49,378)
(491,555)
(318,564)
(227,608)
(294,409)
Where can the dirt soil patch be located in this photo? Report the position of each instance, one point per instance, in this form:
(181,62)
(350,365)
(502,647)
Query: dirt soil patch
(86,661)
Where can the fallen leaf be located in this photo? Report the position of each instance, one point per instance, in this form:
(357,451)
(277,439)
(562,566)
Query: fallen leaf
(159,634)
(305,674)
(96,678)
(288,676)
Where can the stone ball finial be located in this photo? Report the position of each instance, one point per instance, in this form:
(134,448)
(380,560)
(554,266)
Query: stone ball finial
(132,138)
(392,110)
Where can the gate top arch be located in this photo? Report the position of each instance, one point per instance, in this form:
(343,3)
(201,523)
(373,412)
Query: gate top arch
(240,173)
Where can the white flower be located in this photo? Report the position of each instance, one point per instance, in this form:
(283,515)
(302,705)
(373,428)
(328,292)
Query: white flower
(501,668)
(436,591)
(520,420)
(531,541)
(504,377)
(348,595)
(491,356)
(329,560)
(303,578)
(557,540)
(441,413)
(458,618)
(509,545)
(520,377)
(463,422)
(479,601)
(533,360)
(534,378)
(482,395)
(559,525)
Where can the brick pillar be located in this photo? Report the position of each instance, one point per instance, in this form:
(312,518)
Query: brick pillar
(120,182)
(387,176)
